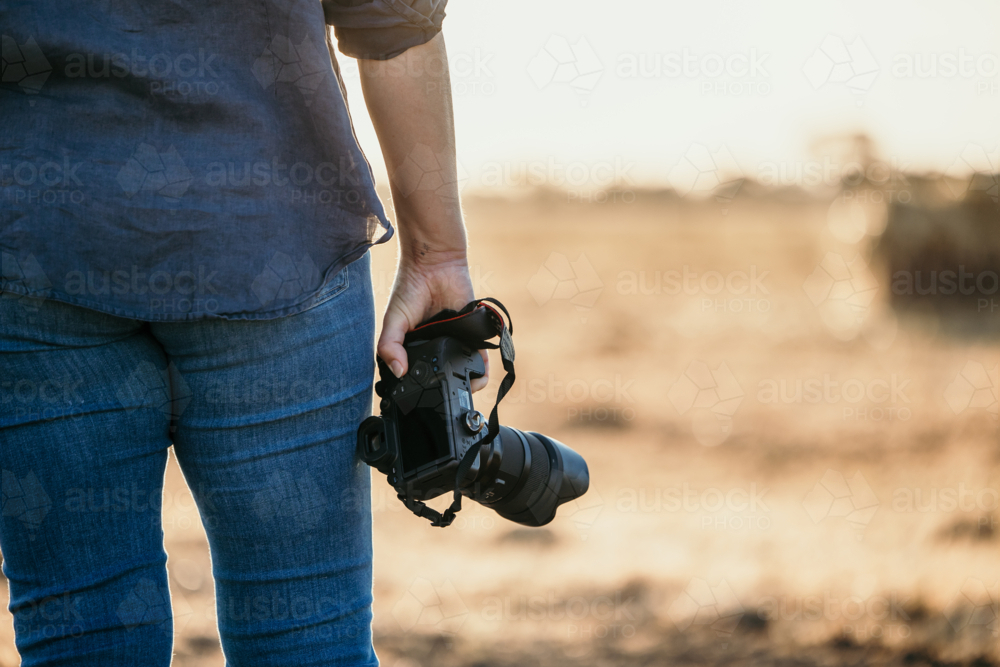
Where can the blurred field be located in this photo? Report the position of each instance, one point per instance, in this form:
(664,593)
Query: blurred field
(726,523)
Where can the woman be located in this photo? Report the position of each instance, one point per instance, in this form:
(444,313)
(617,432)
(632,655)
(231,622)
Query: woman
(184,242)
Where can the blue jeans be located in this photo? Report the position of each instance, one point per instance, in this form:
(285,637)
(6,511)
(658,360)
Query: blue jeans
(262,416)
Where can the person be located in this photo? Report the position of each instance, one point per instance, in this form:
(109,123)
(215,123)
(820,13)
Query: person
(184,261)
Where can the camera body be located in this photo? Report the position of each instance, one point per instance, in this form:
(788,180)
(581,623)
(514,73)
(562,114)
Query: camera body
(427,425)
(430,405)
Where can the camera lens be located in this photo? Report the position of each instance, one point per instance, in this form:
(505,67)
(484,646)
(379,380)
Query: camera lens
(525,476)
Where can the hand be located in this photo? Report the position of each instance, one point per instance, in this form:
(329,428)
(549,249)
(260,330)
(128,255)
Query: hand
(420,291)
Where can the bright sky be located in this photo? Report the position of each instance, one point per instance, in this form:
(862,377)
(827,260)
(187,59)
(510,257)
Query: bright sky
(643,84)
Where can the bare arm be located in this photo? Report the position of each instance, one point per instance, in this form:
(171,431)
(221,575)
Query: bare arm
(409,100)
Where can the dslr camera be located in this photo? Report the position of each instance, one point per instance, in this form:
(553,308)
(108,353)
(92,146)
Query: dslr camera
(429,439)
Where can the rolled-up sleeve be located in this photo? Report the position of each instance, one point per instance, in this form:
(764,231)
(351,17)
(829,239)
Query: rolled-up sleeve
(383,29)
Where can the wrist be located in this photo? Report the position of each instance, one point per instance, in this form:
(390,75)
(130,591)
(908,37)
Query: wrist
(422,257)
(447,247)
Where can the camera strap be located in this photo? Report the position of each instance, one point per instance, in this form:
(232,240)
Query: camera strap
(474,325)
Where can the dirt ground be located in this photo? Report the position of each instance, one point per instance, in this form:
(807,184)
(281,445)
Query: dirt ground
(732,519)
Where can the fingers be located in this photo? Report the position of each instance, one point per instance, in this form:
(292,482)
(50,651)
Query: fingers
(390,343)
(391,350)
(480,383)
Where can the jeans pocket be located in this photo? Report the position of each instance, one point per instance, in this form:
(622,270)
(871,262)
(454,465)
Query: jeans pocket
(335,287)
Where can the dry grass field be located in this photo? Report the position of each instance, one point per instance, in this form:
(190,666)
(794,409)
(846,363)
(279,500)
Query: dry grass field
(783,472)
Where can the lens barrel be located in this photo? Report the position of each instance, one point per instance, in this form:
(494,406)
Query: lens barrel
(526,476)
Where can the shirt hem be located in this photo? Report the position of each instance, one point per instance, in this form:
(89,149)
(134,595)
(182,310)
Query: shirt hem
(314,299)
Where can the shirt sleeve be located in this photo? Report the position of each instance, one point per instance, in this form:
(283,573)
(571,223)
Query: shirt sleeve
(383,29)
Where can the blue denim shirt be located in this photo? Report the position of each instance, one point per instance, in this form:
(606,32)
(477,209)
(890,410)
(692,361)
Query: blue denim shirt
(170,161)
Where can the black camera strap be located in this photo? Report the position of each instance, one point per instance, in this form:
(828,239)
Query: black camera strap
(474,325)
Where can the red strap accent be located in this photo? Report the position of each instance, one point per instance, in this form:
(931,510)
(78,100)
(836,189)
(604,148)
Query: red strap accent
(458,317)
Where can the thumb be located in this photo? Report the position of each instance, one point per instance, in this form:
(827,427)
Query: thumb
(390,343)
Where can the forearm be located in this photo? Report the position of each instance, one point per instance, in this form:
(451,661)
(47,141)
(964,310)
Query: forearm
(409,100)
